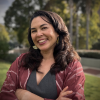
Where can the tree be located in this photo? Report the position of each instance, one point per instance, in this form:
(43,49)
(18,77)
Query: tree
(60,7)
(94,33)
(88,10)
(19,21)
(87,6)
(4,38)
(71,19)
(78,12)
(17,17)
(13,42)
(41,3)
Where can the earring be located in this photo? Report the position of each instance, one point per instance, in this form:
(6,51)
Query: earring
(35,47)
(57,40)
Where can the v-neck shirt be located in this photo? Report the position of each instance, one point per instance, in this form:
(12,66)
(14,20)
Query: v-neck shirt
(46,88)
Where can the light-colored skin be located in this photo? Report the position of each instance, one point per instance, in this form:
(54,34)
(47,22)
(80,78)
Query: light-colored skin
(41,30)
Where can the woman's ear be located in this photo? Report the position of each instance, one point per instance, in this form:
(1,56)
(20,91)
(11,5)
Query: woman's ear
(57,35)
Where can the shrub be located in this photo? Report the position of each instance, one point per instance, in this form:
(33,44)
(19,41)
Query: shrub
(89,53)
(10,57)
(96,45)
(3,48)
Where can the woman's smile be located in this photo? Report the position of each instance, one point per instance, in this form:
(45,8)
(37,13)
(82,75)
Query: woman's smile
(41,42)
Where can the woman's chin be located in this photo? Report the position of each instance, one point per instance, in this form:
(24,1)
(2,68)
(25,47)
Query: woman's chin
(44,49)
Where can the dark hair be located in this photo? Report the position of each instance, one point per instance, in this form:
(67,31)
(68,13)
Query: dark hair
(64,53)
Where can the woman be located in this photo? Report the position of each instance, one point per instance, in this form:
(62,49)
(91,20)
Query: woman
(51,69)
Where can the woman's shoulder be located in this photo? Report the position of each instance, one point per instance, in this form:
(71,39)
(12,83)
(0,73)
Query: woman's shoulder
(21,57)
(74,66)
(18,61)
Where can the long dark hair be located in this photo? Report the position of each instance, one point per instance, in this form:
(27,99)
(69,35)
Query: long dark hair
(63,53)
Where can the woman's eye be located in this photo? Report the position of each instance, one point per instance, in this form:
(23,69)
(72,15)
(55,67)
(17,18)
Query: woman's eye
(33,31)
(44,28)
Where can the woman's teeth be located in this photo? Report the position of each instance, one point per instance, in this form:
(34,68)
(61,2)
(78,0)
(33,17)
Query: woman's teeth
(41,41)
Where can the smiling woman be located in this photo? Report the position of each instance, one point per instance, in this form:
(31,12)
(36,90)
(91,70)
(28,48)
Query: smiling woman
(43,35)
(51,69)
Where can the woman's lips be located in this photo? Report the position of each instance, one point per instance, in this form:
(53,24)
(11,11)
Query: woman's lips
(41,42)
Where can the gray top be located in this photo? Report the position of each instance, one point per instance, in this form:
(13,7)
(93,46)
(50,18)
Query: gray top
(46,88)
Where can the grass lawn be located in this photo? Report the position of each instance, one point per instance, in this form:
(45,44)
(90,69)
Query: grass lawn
(92,83)
(3,70)
(92,87)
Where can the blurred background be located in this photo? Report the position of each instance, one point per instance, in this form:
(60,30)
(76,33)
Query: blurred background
(82,17)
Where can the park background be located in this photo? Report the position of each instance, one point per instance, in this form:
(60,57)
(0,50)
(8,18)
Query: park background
(82,17)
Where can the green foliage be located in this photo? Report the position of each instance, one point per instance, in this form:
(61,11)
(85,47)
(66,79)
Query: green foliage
(96,46)
(12,34)
(94,33)
(13,39)
(3,33)
(17,17)
(89,54)
(10,57)
(92,88)
(41,3)
(26,43)
(3,48)
(60,7)
(4,38)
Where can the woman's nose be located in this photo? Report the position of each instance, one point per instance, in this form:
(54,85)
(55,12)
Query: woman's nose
(39,33)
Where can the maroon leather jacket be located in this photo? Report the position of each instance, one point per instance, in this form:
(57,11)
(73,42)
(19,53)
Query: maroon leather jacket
(17,76)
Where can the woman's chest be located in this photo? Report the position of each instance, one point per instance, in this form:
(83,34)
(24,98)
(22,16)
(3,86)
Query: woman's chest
(25,74)
(46,88)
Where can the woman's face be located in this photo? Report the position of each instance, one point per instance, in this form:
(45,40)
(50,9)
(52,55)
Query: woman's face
(43,34)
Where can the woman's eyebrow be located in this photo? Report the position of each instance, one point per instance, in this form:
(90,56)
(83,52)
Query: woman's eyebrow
(40,26)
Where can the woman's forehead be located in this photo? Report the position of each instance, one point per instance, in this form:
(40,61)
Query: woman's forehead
(37,21)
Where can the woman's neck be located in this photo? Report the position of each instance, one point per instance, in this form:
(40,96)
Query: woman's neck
(47,55)
(47,61)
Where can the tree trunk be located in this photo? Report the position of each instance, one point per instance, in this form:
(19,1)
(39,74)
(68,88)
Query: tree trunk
(77,38)
(87,25)
(71,19)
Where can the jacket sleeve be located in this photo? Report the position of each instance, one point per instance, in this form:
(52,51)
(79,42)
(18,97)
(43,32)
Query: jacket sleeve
(11,83)
(75,79)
